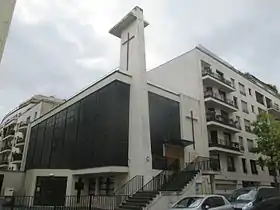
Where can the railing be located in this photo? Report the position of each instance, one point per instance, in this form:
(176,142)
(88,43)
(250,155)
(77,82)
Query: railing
(208,71)
(212,116)
(9,133)
(157,182)
(6,147)
(17,156)
(94,202)
(164,163)
(220,98)
(274,107)
(4,162)
(248,129)
(223,144)
(204,164)
(128,189)
(22,124)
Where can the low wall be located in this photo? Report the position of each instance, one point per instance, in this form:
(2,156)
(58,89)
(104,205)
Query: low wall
(14,180)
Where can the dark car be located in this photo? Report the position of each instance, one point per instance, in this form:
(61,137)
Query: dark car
(247,198)
(268,204)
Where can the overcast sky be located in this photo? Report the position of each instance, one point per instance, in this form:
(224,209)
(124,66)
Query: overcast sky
(58,47)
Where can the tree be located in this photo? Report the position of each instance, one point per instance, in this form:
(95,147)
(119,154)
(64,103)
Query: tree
(267,130)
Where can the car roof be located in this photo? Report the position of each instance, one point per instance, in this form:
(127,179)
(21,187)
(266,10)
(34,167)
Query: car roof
(254,187)
(203,196)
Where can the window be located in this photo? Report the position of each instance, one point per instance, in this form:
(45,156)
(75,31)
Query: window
(276,106)
(238,124)
(230,163)
(220,74)
(28,120)
(250,144)
(189,202)
(265,193)
(235,101)
(244,107)
(244,165)
(232,82)
(222,95)
(253,108)
(213,202)
(253,167)
(35,115)
(268,102)
(259,98)
(250,91)
(241,143)
(247,124)
(242,89)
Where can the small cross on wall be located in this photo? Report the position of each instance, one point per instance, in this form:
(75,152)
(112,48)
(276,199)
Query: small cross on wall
(127,48)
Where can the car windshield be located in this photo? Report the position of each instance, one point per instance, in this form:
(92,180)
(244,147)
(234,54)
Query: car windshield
(190,202)
(243,195)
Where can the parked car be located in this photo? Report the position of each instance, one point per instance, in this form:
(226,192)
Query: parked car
(203,202)
(247,198)
(268,204)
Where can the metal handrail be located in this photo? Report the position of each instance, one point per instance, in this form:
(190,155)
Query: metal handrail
(128,189)
(208,71)
(157,182)
(220,98)
(212,116)
(203,164)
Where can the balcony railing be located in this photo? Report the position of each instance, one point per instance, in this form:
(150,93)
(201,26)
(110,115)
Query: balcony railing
(4,162)
(22,125)
(17,156)
(208,71)
(212,116)
(248,129)
(6,147)
(9,133)
(223,144)
(220,98)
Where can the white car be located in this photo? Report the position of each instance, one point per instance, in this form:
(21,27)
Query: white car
(203,202)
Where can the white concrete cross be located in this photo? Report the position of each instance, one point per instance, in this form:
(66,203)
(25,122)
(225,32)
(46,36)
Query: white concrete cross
(192,120)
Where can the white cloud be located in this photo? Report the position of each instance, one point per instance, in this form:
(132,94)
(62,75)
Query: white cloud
(57,47)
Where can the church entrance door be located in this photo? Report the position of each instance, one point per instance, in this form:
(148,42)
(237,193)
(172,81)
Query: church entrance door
(50,191)
(174,152)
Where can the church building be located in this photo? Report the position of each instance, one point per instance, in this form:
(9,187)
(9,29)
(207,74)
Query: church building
(123,126)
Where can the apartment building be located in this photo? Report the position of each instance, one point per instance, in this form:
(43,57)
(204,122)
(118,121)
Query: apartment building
(6,13)
(14,126)
(231,102)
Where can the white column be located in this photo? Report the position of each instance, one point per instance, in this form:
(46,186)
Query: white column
(133,62)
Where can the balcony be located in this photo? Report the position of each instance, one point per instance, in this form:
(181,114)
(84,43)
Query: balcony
(6,148)
(20,142)
(17,157)
(216,120)
(274,110)
(213,79)
(22,125)
(220,145)
(9,135)
(216,100)
(4,164)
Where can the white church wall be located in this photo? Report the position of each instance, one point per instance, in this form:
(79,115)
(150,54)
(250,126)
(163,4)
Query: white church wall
(187,106)
(31,176)
(180,74)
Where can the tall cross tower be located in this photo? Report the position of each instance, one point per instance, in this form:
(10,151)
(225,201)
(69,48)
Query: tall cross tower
(130,30)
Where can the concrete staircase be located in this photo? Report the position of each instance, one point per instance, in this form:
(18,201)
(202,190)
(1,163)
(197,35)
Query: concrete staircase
(169,180)
(146,195)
